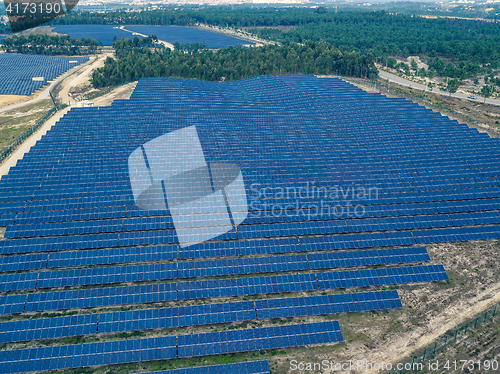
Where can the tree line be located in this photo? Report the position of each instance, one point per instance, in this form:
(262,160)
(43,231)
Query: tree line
(40,44)
(474,43)
(135,60)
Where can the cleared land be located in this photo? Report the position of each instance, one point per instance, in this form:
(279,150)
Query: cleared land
(429,310)
(17,121)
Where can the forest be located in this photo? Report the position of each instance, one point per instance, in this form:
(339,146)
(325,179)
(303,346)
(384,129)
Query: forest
(135,60)
(454,40)
(40,44)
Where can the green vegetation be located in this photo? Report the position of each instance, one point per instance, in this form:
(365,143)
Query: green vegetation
(135,61)
(390,35)
(454,48)
(40,44)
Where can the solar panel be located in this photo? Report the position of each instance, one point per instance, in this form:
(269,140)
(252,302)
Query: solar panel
(327,170)
(233,341)
(377,277)
(176,317)
(17,71)
(327,304)
(246,286)
(367,258)
(48,328)
(88,354)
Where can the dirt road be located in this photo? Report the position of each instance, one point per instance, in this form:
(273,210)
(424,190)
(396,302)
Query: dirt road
(81,78)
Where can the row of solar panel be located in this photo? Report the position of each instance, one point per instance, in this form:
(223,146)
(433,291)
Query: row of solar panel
(353,241)
(164,348)
(199,269)
(113,322)
(382,195)
(17,71)
(88,298)
(377,204)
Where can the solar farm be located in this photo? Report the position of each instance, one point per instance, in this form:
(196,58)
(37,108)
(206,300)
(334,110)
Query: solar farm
(202,204)
(102,33)
(17,71)
(190,35)
(171,34)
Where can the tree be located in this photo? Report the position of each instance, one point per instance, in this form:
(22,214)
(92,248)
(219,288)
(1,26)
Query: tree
(486,91)
(405,68)
(391,62)
(431,73)
(414,65)
(452,86)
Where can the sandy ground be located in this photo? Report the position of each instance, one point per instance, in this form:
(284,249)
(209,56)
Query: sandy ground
(164,43)
(31,141)
(240,34)
(79,80)
(8,100)
(120,93)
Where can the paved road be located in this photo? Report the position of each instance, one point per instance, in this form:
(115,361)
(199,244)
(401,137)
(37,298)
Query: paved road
(405,82)
(45,93)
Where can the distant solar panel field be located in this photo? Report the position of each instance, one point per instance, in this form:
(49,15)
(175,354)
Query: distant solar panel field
(102,33)
(308,193)
(181,35)
(17,71)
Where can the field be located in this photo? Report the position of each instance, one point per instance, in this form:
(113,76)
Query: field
(330,195)
(16,122)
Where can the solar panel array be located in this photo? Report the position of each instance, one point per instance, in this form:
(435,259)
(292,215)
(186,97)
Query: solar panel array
(102,33)
(341,186)
(17,71)
(167,347)
(195,315)
(171,34)
(190,35)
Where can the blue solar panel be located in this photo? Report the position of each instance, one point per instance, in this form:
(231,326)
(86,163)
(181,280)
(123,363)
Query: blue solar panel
(87,298)
(259,338)
(88,354)
(246,286)
(48,328)
(193,269)
(106,275)
(240,248)
(327,169)
(102,33)
(12,304)
(17,71)
(327,304)
(176,317)
(24,262)
(112,256)
(457,234)
(377,277)
(181,35)
(367,258)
